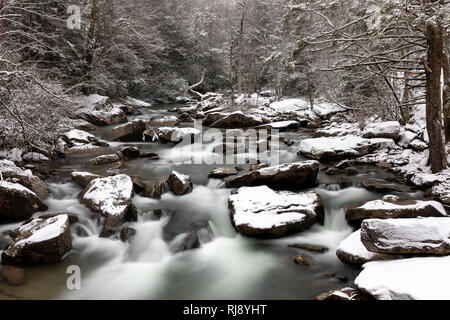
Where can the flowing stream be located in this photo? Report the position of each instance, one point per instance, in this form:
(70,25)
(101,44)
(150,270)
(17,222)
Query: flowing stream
(228,267)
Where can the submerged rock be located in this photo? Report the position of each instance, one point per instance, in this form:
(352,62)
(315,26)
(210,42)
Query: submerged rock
(286,176)
(111,197)
(383,186)
(18,202)
(263,212)
(407,236)
(223,172)
(393,207)
(13,275)
(39,241)
(127,234)
(309,247)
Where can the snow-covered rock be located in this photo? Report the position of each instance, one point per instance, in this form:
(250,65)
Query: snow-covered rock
(408,279)
(103,115)
(34,157)
(280,125)
(180,183)
(131,131)
(167,121)
(334,148)
(263,212)
(175,135)
(418,145)
(407,236)
(393,207)
(338,130)
(406,137)
(352,251)
(286,176)
(76,136)
(15,154)
(326,110)
(289,105)
(111,197)
(105,159)
(9,170)
(137,103)
(237,120)
(389,129)
(18,202)
(83,178)
(223,172)
(344,294)
(39,241)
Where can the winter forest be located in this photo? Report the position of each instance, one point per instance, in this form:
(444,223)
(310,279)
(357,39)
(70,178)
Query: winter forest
(225,149)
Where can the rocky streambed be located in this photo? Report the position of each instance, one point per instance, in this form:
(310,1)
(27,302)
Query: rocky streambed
(140,224)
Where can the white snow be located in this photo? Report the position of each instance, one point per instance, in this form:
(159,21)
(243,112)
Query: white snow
(110,195)
(182,177)
(326,109)
(16,187)
(79,136)
(93,100)
(177,134)
(43,230)
(419,234)
(35,156)
(416,278)
(348,144)
(289,105)
(263,208)
(15,154)
(406,137)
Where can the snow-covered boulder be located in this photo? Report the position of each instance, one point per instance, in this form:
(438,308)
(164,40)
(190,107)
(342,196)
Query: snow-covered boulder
(77,137)
(111,197)
(131,131)
(137,103)
(83,178)
(100,111)
(223,172)
(345,147)
(326,110)
(338,130)
(379,185)
(408,279)
(35,157)
(344,294)
(213,117)
(289,175)
(167,121)
(418,145)
(289,106)
(280,125)
(175,135)
(393,207)
(9,170)
(18,202)
(407,236)
(406,137)
(237,120)
(180,183)
(263,212)
(39,241)
(389,129)
(352,251)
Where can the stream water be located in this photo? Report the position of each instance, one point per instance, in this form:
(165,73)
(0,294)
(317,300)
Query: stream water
(228,267)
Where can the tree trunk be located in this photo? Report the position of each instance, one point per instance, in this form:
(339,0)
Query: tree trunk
(446,97)
(404,109)
(231,75)
(434,96)
(241,49)
(310,93)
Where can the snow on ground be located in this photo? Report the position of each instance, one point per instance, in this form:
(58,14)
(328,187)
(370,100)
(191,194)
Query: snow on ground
(289,105)
(389,129)
(416,278)
(136,102)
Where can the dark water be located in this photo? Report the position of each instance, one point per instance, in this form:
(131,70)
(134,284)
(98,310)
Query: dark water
(229,267)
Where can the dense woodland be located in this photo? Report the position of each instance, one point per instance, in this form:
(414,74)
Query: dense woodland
(374,57)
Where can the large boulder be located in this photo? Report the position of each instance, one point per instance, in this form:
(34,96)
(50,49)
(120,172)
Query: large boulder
(180,183)
(344,147)
(39,241)
(407,236)
(213,117)
(237,120)
(167,121)
(352,251)
(131,131)
(393,207)
(111,197)
(408,279)
(18,202)
(83,178)
(9,170)
(290,175)
(265,213)
(104,159)
(76,136)
(175,135)
(379,185)
(104,115)
(389,129)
